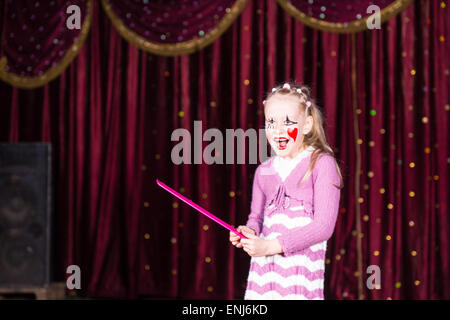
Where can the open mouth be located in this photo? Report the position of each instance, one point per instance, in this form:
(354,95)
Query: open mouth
(281,142)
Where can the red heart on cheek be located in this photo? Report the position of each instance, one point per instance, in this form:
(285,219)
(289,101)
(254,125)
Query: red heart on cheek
(293,133)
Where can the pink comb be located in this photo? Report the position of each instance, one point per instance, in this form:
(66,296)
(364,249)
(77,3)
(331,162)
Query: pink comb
(199,209)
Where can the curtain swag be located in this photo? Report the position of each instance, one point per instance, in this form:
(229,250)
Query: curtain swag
(182,47)
(388,12)
(30,82)
(178,48)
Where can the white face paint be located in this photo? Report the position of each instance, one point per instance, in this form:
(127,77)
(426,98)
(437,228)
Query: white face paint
(286,125)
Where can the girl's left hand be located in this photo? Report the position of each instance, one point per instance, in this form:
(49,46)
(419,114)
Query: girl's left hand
(257,247)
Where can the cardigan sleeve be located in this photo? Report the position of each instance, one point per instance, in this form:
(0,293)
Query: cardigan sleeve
(256,216)
(326,205)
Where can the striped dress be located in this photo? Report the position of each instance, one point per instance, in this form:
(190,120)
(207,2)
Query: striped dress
(297,273)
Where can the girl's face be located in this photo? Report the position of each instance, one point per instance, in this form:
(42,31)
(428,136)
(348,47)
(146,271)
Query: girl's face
(285,125)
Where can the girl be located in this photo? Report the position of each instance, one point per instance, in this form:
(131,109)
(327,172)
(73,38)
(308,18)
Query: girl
(295,200)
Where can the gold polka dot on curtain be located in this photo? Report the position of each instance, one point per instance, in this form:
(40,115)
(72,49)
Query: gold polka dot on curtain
(388,12)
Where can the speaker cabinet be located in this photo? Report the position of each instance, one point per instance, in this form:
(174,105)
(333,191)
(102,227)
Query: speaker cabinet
(25,215)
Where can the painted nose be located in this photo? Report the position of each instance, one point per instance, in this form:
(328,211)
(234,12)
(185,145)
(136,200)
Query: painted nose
(279,129)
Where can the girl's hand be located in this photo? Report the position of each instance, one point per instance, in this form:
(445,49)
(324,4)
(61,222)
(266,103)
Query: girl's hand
(257,247)
(236,240)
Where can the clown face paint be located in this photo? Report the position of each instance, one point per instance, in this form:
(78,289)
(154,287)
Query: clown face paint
(292,132)
(284,121)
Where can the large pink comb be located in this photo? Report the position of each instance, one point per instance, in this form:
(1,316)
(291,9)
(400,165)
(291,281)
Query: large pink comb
(199,209)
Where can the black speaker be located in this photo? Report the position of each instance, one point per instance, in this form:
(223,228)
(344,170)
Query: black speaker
(25,214)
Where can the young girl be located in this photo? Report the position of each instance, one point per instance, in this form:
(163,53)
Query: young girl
(295,201)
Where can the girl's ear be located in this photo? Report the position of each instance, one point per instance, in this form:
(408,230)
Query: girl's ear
(307,126)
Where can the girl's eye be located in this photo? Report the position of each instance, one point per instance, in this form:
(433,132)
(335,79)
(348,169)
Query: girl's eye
(270,124)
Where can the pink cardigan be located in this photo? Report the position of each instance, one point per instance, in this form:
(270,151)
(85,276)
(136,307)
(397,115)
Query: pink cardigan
(318,195)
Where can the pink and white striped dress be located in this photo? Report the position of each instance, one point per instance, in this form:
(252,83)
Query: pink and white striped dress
(301,217)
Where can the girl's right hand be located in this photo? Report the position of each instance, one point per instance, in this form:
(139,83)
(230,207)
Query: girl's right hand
(235,239)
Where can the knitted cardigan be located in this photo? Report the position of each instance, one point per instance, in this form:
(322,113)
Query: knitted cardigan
(318,193)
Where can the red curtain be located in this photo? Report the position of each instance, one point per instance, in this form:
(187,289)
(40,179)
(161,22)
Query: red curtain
(171,21)
(111,114)
(35,36)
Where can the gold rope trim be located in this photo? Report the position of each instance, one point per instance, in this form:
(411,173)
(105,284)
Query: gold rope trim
(3,62)
(357,169)
(180,48)
(339,27)
(53,72)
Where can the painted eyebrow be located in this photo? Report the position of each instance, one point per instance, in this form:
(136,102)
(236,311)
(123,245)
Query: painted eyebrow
(287,120)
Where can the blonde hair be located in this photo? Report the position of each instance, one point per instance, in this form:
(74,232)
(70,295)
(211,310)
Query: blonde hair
(316,137)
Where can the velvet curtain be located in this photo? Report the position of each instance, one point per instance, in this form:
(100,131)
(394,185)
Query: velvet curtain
(172,27)
(39,40)
(111,114)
